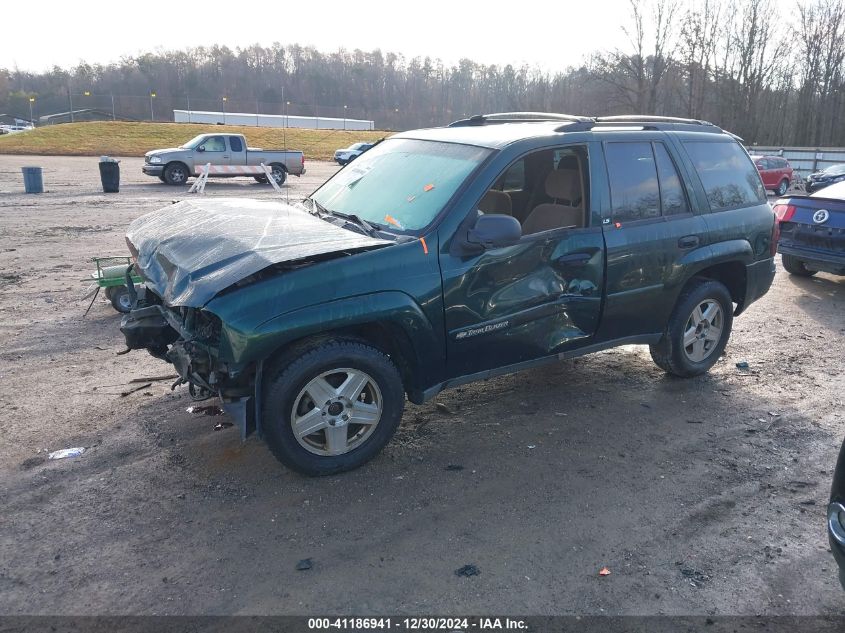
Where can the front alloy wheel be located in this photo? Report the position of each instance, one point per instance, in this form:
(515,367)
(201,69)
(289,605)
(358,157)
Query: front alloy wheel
(336,412)
(330,406)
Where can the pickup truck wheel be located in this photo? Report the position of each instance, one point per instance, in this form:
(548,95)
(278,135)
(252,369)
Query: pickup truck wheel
(333,408)
(279,174)
(261,179)
(697,332)
(795,266)
(175,174)
(782,187)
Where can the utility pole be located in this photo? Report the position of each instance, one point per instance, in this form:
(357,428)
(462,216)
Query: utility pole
(31,118)
(224,110)
(70,100)
(152,112)
(113,117)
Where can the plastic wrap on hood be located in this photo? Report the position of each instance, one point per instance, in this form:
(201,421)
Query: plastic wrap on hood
(190,251)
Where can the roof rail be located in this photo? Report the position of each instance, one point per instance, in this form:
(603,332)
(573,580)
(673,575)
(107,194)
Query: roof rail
(645,118)
(515,117)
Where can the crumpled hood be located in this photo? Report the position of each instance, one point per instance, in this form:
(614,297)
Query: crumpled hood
(190,251)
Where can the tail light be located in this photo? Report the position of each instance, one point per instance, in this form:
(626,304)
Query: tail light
(784,212)
(303,160)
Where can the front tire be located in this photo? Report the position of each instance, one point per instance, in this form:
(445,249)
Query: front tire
(176,174)
(697,332)
(795,266)
(332,408)
(782,187)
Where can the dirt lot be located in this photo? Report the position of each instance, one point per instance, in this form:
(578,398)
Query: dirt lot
(702,496)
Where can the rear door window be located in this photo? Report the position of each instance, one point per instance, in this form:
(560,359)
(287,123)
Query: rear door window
(235,143)
(729,177)
(634,192)
(673,200)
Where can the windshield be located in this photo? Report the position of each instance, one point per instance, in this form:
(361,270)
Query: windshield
(194,142)
(834,170)
(400,183)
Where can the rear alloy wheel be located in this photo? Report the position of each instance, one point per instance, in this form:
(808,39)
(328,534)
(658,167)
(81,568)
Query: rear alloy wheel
(782,187)
(175,174)
(333,408)
(278,173)
(697,332)
(795,266)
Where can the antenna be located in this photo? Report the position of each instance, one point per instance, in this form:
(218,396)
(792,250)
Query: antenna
(285,143)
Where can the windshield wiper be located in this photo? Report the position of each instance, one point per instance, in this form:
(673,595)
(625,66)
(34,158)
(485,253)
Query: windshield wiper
(369,229)
(317,208)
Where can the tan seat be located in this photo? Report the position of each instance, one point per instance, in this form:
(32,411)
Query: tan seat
(495,201)
(563,186)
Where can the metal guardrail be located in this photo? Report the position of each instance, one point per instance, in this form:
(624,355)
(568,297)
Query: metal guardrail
(804,160)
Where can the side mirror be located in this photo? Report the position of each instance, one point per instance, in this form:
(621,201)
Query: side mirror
(201,148)
(494,231)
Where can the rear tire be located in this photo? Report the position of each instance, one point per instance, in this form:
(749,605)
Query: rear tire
(305,401)
(698,330)
(795,266)
(279,173)
(261,179)
(782,187)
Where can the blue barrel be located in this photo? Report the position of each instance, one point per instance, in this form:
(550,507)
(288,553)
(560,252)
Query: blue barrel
(32,181)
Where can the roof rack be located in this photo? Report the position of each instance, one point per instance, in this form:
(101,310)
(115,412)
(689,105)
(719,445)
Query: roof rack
(573,123)
(645,118)
(517,117)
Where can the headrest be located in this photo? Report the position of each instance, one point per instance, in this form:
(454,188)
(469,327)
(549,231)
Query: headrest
(562,184)
(496,202)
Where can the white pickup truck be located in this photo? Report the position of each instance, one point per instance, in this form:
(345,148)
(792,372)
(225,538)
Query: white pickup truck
(175,165)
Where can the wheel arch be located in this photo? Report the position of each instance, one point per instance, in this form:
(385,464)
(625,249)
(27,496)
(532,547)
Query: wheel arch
(732,275)
(390,321)
(385,336)
(188,170)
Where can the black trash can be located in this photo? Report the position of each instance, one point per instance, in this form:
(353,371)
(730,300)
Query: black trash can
(110,175)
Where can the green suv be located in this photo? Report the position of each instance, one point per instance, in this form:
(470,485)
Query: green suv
(448,255)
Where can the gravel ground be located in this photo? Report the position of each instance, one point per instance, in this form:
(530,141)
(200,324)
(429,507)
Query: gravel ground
(702,496)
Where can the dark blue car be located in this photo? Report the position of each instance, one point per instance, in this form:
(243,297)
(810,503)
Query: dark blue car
(812,232)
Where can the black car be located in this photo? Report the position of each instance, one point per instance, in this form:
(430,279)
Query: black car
(825,177)
(836,515)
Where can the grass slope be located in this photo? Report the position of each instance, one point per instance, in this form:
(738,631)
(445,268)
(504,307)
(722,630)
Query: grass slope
(118,138)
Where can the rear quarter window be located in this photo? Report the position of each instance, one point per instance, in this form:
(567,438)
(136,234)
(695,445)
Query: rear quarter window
(729,177)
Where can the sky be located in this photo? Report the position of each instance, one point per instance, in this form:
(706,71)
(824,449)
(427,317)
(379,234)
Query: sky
(551,35)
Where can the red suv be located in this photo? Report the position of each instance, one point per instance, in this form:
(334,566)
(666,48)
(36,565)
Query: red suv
(775,171)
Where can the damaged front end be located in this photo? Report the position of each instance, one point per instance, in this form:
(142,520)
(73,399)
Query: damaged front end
(196,251)
(189,339)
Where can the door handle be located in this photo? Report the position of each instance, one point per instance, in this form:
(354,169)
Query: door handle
(573,259)
(688,241)
(225,156)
